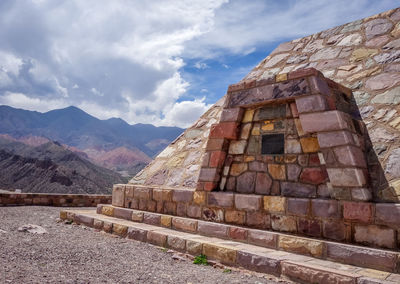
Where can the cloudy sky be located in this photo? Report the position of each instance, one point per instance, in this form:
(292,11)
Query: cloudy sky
(161,62)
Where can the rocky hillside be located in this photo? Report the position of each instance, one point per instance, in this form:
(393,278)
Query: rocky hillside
(51,168)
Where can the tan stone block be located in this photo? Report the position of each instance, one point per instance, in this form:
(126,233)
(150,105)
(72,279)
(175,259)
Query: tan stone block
(223,254)
(302,246)
(362,53)
(290,159)
(176,243)
(157,238)
(309,144)
(283,223)
(275,204)
(118,195)
(248,115)
(375,235)
(199,197)
(299,128)
(120,230)
(281,77)
(166,221)
(372,273)
(107,210)
(238,169)
(193,247)
(63,215)
(237,147)
(255,130)
(235,217)
(277,171)
(249,158)
(245,132)
(137,216)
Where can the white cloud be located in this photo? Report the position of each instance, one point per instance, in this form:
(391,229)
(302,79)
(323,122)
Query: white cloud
(19,100)
(201,65)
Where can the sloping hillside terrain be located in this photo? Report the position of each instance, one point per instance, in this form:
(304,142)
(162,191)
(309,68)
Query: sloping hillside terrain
(51,168)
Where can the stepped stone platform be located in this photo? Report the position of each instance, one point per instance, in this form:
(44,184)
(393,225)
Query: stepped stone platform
(299,259)
(294,172)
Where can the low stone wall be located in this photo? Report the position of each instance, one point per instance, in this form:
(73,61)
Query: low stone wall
(47,199)
(365,223)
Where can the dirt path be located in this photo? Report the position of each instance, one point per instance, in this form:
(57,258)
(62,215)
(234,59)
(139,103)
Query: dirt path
(76,254)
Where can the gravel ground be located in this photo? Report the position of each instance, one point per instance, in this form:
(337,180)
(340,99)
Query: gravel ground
(77,254)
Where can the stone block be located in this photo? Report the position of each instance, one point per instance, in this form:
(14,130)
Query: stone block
(336,230)
(236,233)
(227,130)
(248,115)
(263,183)
(248,202)
(237,147)
(232,114)
(120,230)
(388,214)
(259,263)
(199,197)
(216,144)
(223,254)
(209,174)
(292,146)
(309,227)
(257,220)
(361,194)
(193,211)
(97,224)
(314,175)
(325,208)
(82,219)
(238,169)
(123,213)
(325,121)
(152,219)
(309,144)
(283,223)
(293,172)
(245,131)
(217,159)
(143,193)
(311,103)
(137,234)
(181,209)
(294,189)
(335,138)
(298,206)
(270,112)
(364,257)
(118,195)
(277,171)
(220,199)
(307,273)
(137,216)
(235,217)
(257,166)
(157,238)
(176,243)
(350,156)
(262,238)
(107,210)
(274,204)
(373,235)
(194,248)
(182,196)
(245,183)
(302,246)
(213,229)
(162,194)
(358,211)
(166,221)
(319,86)
(213,214)
(346,177)
(183,224)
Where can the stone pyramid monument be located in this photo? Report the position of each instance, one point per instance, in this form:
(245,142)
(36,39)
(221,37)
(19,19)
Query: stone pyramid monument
(302,156)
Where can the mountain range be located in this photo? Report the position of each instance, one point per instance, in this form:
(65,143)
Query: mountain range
(111,143)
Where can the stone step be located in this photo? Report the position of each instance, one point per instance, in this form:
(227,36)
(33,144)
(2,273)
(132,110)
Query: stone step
(233,253)
(380,259)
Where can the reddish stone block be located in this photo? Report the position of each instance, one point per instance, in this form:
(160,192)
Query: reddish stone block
(156,238)
(137,234)
(213,214)
(259,263)
(358,211)
(313,160)
(152,219)
(309,227)
(258,219)
(220,199)
(209,174)
(213,229)
(350,156)
(206,160)
(246,182)
(235,87)
(217,144)
(295,189)
(210,186)
(325,121)
(388,214)
(232,114)
(336,230)
(182,196)
(325,208)
(335,138)
(236,233)
(217,159)
(228,130)
(314,175)
(293,108)
(319,86)
(181,209)
(248,202)
(170,208)
(312,103)
(194,211)
(263,183)
(263,238)
(298,206)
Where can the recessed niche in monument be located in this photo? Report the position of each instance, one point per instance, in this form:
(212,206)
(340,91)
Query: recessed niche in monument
(273,144)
